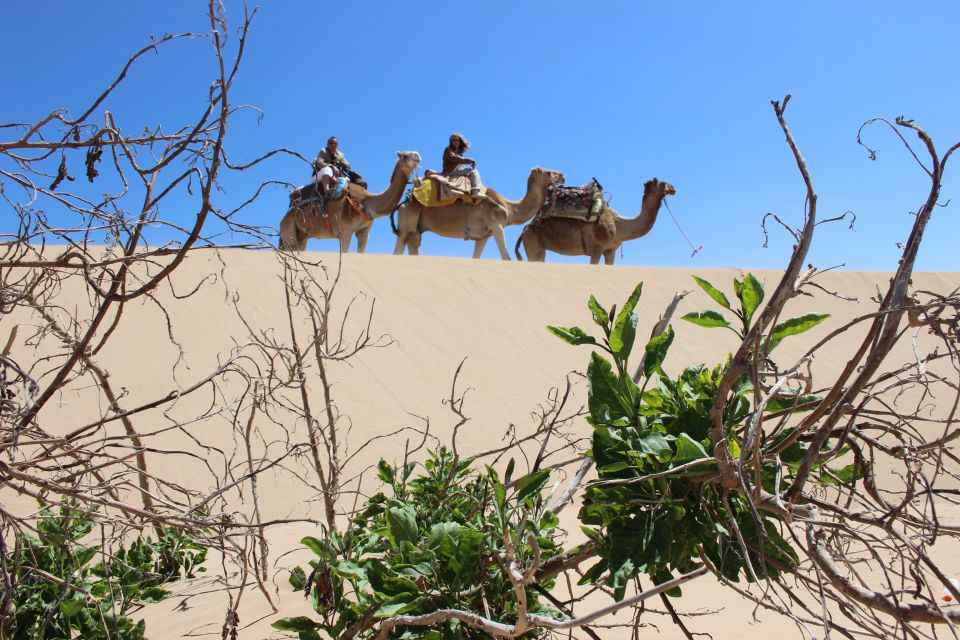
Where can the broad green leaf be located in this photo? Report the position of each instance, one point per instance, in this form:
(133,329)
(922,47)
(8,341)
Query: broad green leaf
(441,529)
(605,402)
(656,351)
(398,605)
(688,449)
(572,335)
(750,292)
(713,292)
(794,326)
(708,319)
(509,472)
(531,484)
(599,313)
(624,330)
(154,594)
(402,524)
(654,444)
(314,544)
(297,624)
(350,569)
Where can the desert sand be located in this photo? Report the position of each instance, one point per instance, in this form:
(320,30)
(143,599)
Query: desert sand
(434,313)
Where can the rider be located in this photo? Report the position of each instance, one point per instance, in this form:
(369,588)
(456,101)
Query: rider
(455,164)
(330,165)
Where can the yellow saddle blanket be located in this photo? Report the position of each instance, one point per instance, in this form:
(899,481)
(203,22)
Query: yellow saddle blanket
(438,191)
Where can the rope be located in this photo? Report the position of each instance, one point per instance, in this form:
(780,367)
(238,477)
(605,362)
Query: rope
(696,250)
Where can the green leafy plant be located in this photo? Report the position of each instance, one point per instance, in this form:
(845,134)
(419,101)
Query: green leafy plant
(749,292)
(438,541)
(655,508)
(59,592)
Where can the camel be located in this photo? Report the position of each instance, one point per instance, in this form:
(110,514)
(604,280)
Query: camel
(473,221)
(342,220)
(571,237)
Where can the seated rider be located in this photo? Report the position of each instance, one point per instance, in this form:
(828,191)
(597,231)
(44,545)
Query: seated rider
(330,165)
(455,164)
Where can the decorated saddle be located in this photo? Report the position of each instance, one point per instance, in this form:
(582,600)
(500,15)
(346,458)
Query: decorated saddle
(580,203)
(313,192)
(436,190)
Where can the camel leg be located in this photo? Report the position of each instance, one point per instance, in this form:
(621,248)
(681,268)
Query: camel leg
(345,238)
(609,256)
(398,249)
(288,234)
(362,236)
(497,231)
(478,246)
(413,244)
(595,258)
(533,248)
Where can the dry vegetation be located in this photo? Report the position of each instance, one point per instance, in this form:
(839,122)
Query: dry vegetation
(824,498)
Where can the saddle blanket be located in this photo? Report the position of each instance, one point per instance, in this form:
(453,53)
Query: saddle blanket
(312,192)
(581,203)
(439,191)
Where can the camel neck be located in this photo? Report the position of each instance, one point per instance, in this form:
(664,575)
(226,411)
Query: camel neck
(381,204)
(632,228)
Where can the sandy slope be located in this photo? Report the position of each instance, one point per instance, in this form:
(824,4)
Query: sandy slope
(437,312)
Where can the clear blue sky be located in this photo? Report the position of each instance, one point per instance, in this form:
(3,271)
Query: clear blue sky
(622,90)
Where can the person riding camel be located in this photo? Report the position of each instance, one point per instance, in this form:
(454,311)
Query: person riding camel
(455,164)
(330,165)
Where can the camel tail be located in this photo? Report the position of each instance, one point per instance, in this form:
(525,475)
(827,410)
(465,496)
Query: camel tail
(393,223)
(516,249)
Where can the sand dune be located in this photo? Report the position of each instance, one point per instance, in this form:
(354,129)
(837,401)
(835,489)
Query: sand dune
(434,313)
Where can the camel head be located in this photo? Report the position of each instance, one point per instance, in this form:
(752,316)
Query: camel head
(543,178)
(408,161)
(653,185)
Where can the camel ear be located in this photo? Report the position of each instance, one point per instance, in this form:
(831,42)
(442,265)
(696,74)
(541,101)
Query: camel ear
(399,154)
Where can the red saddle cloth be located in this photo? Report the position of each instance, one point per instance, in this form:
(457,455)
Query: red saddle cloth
(584,202)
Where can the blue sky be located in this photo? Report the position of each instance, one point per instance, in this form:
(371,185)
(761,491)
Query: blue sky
(621,90)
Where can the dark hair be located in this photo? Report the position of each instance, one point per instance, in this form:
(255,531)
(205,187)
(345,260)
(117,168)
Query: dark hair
(464,143)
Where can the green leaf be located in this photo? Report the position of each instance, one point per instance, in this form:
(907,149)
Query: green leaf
(385,472)
(402,524)
(297,624)
(442,529)
(572,335)
(688,449)
(794,326)
(531,484)
(398,605)
(605,402)
(509,472)
(750,292)
(707,319)
(350,569)
(154,594)
(713,292)
(656,351)
(298,579)
(778,404)
(314,544)
(625,326)
(599,313)
(71,606)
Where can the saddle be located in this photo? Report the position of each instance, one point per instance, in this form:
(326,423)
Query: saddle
(313,192)
(436,190)
(580,203)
